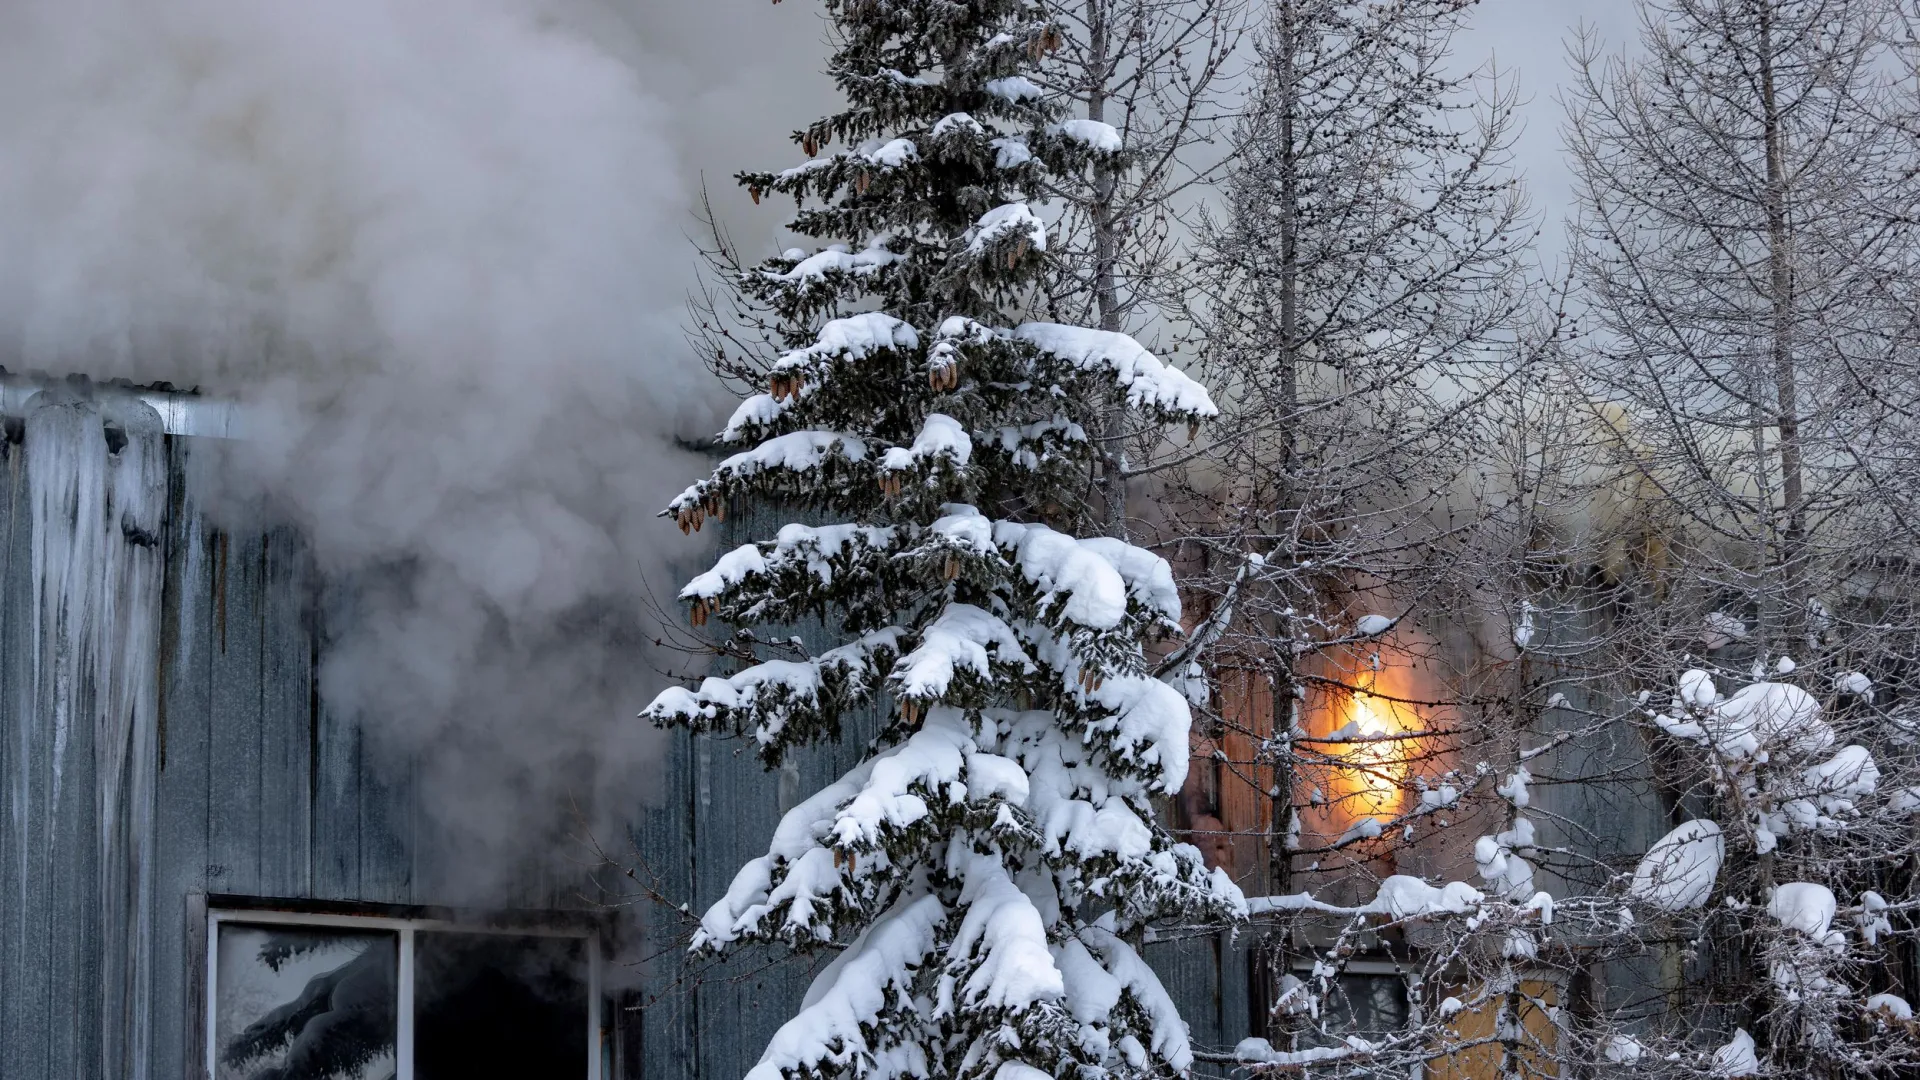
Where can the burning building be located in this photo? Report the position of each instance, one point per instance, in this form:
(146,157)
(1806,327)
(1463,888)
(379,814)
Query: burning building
(345,782)
(209,870)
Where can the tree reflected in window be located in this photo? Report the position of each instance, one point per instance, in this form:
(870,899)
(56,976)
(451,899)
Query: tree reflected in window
(305,1004)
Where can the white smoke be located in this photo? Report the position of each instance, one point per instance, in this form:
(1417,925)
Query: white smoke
(438,248)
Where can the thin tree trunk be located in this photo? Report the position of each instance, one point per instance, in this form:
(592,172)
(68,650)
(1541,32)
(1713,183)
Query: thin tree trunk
(1106,290)
(1286,698)
(1786,414)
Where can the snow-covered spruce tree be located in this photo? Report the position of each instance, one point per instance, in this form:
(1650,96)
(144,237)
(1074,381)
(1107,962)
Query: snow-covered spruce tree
(987,871)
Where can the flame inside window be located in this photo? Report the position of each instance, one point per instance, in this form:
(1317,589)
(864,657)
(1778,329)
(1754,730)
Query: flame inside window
(1373,766)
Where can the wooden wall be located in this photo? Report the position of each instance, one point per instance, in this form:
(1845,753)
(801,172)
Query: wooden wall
(162,738)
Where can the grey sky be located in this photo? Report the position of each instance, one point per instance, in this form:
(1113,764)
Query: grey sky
(1528,39)
(742,73)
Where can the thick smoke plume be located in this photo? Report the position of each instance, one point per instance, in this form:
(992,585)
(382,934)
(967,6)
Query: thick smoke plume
(438,249)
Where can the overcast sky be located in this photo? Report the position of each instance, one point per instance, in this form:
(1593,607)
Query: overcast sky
(743,73)
(1528,38)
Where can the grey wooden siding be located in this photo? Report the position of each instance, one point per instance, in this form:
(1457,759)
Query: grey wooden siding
(162,738)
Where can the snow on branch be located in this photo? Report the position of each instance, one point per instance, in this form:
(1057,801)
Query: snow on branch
(1146,726)
(794,454)
(765,700)
(941,438)
(837,259)
(1149,382)
(855,994)
(1089,588)
(1168,1041)
(999,957)
(853,338)
(1092,134)
(1010,227)
(1400,897)
(961,638)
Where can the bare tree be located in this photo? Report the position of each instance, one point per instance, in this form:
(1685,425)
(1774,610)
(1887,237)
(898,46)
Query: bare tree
(1745,238)
(1360,298)
(1160,75)
(1746,230)
(1360,293)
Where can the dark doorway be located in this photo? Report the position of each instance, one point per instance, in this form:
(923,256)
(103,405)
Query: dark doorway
(499,1007)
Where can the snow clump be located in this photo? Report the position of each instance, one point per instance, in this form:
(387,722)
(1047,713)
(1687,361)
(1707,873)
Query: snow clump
(1679,870)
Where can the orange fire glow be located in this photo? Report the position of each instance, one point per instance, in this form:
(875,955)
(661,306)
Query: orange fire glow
(1371,780)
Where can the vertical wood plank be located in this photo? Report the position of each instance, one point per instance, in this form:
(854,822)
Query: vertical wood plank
(186,673)
(286,723)
(363,808)
(336,807)
(388,824)
(190,984)
(236,776)
(1189,968)
(664,856)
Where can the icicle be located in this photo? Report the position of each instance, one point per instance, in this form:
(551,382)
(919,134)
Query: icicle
(126,745)
(82,724)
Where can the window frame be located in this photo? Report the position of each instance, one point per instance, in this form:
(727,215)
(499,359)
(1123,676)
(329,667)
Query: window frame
(405,923)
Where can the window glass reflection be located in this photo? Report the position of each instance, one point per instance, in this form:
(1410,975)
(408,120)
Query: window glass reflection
(296,1003)
(1370,1006)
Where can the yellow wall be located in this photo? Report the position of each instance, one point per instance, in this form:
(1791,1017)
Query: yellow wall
(1534,1054)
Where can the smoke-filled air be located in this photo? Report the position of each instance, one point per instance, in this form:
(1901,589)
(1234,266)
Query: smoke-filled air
(437,250)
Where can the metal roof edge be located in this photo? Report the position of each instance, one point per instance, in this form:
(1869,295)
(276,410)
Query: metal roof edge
(181,412)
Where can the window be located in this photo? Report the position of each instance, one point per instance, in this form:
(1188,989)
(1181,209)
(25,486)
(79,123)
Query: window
(298,995)
(1368,998)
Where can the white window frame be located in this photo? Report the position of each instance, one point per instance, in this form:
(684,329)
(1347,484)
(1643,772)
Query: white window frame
(598,1046)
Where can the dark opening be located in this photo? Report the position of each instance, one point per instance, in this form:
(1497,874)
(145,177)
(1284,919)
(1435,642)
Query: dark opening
(499,1007)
